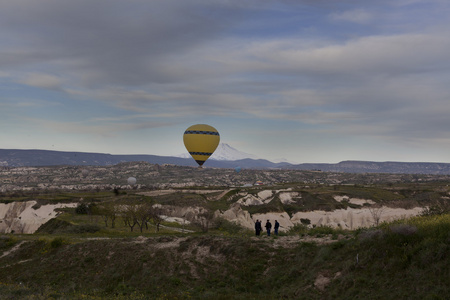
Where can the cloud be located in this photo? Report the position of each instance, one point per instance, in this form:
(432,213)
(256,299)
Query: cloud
(99,44)
(42,80)
(359,16)
(392,54)
(108,42)
(336,67)
(104,128)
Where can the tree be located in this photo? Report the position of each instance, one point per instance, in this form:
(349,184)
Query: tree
(129,215)
(109,211)
(376,213)
(139,214)
(156,217)
(144,214)
(82,209)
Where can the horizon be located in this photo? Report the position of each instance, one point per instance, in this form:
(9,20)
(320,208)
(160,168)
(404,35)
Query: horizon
(211,158)
(307,81)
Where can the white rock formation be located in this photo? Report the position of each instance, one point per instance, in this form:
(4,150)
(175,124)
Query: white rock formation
(357,201)
(21,217)
(282,218)
(349,218)
(287,197)
(265,195)
(237,215)
(250,200)
(352,218)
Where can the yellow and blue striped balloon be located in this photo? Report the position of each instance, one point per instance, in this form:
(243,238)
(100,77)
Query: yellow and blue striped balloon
(201,141)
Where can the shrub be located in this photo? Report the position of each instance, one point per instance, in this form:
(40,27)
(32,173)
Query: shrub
(298,229)
(305,221)
(7,241)
(403,229)
(85,209)
(435,210)
(84,228)
(57,242)
(320,230)
(36,206)
(82,209)
(227,226)
(370,234)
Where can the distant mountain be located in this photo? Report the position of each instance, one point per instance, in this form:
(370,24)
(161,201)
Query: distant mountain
(225,152)
(228,159)
(25,158)
(353,166)
(19,158)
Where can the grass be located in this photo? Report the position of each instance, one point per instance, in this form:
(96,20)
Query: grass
(181,199)
(76,257)
(396,263)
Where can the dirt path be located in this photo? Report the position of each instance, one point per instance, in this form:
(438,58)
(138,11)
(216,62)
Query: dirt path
(222,194)
(294,240)
(13,249)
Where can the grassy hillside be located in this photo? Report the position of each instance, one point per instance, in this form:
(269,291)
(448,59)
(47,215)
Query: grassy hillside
(76,256)
(403,260)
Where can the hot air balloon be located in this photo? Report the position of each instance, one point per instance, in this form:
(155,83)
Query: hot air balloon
(237,169)
(85,172)
(131,180)
(200,141)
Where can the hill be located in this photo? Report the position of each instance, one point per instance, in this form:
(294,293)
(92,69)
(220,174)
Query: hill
(228,158)
(407,260)
(194,239)
(27,158)
(378,167)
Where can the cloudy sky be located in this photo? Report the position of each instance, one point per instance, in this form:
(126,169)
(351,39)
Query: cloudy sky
(305,80)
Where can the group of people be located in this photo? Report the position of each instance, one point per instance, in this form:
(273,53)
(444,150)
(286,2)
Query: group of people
(268,226)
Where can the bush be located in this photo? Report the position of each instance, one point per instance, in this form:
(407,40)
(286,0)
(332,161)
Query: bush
(435,210)
(370,234)
(322,230)
(57,242)
(298,229)
(227,226)
(305,221)
(82,209)
(84,228)
(403,229)
(85,209)
(7,241)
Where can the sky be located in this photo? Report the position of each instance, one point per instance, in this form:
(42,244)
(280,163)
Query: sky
(305,80)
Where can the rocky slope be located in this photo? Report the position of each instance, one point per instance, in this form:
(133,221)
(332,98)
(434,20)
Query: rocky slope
(25,217)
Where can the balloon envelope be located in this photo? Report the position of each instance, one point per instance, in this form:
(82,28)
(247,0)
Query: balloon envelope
(201,141)
(237,169)
(131,181)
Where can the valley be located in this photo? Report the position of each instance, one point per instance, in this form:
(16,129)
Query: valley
(183,232)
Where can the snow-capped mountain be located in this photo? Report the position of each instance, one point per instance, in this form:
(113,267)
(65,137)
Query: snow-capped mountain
(225,152)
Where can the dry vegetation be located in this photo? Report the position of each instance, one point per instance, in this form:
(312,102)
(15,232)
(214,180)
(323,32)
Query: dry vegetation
(81,255)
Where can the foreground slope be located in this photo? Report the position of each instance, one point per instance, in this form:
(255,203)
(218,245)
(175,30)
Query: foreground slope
(407,259)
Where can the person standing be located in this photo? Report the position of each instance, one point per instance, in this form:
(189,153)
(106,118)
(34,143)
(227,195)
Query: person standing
(275,228)
(268,227)
(258,227)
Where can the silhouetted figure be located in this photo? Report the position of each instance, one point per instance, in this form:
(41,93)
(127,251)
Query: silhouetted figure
(275,228)
(258,227)
(268,227)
